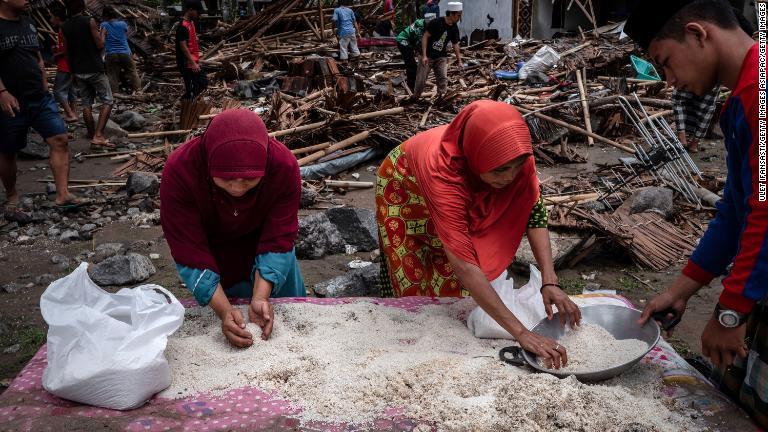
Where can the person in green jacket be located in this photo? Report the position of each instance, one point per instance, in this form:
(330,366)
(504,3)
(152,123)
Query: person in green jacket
(409,44)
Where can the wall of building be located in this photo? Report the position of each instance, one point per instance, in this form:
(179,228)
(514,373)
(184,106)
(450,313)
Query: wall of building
(476,12)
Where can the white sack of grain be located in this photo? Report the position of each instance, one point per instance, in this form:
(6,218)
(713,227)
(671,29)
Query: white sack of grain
(107,349)
(526,303)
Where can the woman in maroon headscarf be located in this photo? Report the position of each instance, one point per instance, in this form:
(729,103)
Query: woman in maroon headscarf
(229,206)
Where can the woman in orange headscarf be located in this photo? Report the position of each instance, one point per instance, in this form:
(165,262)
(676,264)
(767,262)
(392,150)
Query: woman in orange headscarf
(452,205)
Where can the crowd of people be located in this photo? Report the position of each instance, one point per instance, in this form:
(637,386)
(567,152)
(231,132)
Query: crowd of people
(452,203)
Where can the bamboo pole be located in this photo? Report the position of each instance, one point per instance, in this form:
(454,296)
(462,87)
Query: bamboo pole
(578,129)
(585,105)
(349,184)
(312,148)
(338,146)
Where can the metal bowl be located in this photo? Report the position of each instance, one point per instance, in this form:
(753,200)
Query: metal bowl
(620,321)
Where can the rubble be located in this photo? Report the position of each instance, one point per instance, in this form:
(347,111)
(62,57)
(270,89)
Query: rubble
(142,182)
(318,237)
(357,227)
(363,282)
(122,270)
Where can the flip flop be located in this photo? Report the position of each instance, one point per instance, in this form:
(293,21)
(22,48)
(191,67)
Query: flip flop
(104,145)
(12,213)
(71,204)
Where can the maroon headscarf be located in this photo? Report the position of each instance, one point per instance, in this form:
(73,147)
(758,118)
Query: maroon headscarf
(206,228)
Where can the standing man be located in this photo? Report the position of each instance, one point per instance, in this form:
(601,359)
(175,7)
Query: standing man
(25,102)
(347,29)
(693,115)
(434,50)
(409,44)
(387,19)
(84,43)
(119,61)
(432,6)
(700,45)
(188,51)
(63,87)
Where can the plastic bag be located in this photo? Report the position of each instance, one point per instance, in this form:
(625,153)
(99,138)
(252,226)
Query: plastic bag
(526,303)
(107,349)
(535,69)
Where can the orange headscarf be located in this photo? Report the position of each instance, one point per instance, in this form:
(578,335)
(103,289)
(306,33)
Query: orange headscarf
(479,224)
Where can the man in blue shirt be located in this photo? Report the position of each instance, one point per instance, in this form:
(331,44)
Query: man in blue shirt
(347,30)
(120,65)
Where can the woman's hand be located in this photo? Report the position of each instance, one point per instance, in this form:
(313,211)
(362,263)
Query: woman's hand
(552,295)
(261,312)
(233,327)
(553,354)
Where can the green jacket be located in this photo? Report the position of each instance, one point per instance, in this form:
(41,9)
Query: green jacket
(412,35)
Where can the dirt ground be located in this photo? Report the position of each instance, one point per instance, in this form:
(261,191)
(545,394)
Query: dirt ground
(21,322)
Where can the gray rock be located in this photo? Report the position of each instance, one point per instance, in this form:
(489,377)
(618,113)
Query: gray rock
(36,148)
(318,237)
(356,225)
(59,259)
(88,227)
(130,120)
(4,329)
(658,199)
(108,250)
(27,203)
(597,206)
(50,188)
(133,211)
(53,232)
(44,279)
(564,246)
(140,245)
(24,240)
(308,197)
(141,182)
(68,236)
(112,129)
(147,205)
(8,227)
(34,231)
(122,270)
(362,282)
(10,288)
(13,349)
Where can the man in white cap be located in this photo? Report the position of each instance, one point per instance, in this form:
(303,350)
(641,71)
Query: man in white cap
(409,44)
(434,49)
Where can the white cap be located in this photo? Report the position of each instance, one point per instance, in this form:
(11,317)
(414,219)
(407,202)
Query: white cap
(430,16)
(455,7)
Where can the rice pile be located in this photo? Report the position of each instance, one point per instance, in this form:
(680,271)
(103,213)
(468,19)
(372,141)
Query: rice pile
(348,363)
(592,348)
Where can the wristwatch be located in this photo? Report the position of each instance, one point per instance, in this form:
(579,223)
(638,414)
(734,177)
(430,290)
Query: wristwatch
(729,318)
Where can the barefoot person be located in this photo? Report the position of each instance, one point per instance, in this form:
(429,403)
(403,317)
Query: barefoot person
(84,42)
(25,102)
(63,88)
(229,205)
(700,45)
(452,205)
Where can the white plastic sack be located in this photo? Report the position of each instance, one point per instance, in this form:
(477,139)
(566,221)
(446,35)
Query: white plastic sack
(107,349)
(526,303)
(536,68)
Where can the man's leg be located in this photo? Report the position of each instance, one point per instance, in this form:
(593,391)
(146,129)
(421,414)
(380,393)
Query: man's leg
(8,176)
(134,82)
(85,92)
(62,89)
(59,160)
(441,75)
(343,49)
(422,73)
(354,51)
(104,93)
(186,76)
(113,67)
(410,65)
